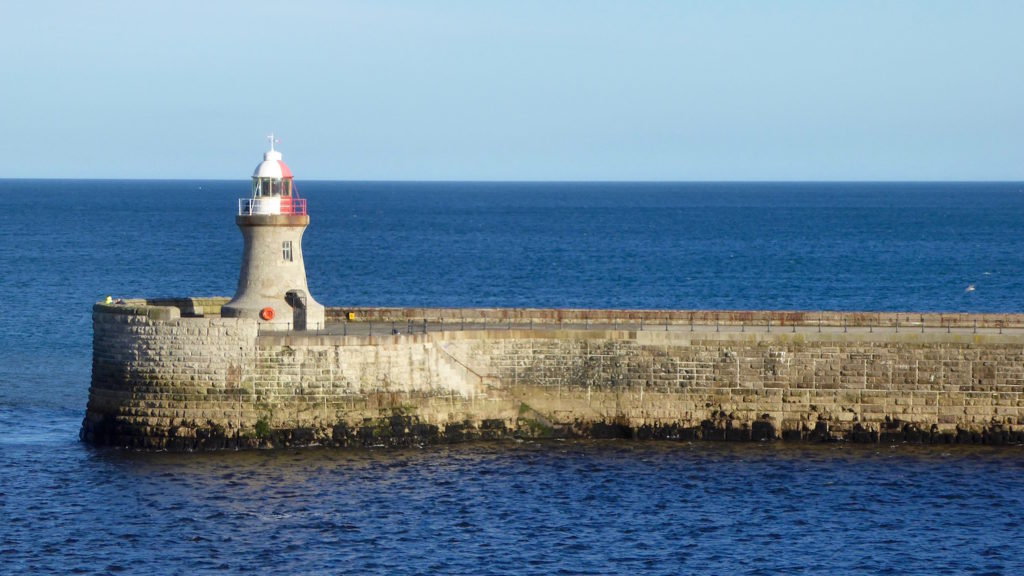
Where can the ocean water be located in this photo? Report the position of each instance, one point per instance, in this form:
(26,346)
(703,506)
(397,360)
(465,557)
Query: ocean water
(537,508)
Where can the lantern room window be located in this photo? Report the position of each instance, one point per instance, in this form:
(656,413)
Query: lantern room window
(271,187)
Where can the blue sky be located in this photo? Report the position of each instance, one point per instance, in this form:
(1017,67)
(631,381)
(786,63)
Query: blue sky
(516,90)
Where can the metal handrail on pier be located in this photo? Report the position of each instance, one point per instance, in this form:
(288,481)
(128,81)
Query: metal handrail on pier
(380,327)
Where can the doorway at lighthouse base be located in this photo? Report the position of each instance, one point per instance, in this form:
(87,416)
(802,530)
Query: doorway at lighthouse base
(298,301)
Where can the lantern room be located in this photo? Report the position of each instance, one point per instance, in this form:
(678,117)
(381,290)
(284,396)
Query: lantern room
(273,189)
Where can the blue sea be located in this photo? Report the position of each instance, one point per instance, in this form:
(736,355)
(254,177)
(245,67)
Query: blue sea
(612,507)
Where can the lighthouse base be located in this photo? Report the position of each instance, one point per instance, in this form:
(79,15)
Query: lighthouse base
(296,311)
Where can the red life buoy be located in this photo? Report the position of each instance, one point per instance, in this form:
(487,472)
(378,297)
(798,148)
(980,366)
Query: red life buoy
(267,313)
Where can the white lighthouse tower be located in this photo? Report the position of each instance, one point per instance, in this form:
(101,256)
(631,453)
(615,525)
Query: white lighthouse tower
(272,284)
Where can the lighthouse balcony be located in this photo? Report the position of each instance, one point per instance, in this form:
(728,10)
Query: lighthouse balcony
(271,205)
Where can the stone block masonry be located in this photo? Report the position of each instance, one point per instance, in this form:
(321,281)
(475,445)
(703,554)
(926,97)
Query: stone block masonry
(175,375)
(160,380)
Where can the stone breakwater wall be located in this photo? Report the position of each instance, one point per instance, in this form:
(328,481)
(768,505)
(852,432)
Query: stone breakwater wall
(163,380)
(174,375)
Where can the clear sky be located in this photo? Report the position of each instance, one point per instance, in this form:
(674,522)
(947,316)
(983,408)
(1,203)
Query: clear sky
(515,90)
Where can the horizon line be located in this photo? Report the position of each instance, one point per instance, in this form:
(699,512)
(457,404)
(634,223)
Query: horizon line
(525,181)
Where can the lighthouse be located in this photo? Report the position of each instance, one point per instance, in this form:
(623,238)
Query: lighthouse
(272,283)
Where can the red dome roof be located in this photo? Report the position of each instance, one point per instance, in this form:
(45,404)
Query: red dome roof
(272,167)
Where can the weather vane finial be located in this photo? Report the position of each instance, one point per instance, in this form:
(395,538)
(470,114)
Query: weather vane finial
(273,141)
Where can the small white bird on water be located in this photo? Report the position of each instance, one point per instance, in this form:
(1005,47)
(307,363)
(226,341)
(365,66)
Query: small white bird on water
(970,288)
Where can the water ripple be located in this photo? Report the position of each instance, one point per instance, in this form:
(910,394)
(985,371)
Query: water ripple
(529,508)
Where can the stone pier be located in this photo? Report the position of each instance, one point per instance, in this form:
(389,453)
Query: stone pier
(174,374)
